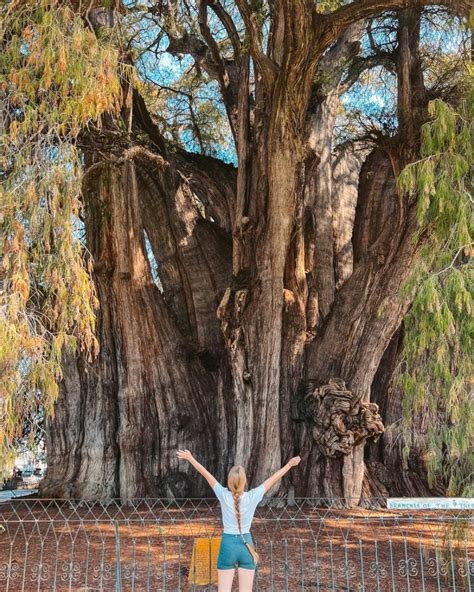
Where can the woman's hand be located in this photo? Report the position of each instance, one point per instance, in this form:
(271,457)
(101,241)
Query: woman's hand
(270,482)
(185,455)
(293,462)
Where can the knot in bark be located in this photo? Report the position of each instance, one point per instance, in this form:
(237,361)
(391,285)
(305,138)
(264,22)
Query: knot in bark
(230,313)
(340,420)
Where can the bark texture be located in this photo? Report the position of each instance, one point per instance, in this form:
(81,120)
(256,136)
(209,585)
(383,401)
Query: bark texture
(273,325)
(120,420)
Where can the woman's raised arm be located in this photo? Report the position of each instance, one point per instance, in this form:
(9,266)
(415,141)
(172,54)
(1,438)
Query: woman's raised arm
(270,482)
(186,455)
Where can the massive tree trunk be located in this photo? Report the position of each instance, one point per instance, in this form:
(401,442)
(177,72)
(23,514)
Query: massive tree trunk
(279,282)
(120,419)
(385,457)
(368,309)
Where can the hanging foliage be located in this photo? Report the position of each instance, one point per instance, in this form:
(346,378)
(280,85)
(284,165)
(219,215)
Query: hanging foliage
(436,372)
(57,77)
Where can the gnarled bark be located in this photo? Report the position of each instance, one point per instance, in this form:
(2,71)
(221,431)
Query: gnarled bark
(340,421)
(143,398)
(280,274)
(361,323)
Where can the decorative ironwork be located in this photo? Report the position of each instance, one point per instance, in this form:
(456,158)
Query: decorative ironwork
(9,571)
(310,545)
(408,567)
(347,569)
(377,570)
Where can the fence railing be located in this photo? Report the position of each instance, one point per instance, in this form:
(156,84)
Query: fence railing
(171,545)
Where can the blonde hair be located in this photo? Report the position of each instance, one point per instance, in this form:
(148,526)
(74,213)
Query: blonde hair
(236,482)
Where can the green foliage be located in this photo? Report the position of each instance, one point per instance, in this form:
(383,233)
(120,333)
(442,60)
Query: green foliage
(56,79)
(190,116)
(325,6)
(184,98)
(436,373)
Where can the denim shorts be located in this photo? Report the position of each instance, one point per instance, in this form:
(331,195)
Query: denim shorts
(234,552)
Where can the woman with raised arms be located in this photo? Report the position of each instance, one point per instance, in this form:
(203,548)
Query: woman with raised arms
(238,507)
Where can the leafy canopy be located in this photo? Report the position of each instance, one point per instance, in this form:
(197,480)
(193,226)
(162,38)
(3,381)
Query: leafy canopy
(436,373)
(57,78)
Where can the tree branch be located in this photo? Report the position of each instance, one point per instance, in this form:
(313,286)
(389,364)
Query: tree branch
(217,178)
(267,68)
(228,23)
(213,181)
(361,64)
(343,17)
(144,120)
(211,42)
(208,55)
(337,59)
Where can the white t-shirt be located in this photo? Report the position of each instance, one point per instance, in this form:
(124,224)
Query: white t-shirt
(248,503)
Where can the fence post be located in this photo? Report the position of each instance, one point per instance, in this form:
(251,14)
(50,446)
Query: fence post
(118,573)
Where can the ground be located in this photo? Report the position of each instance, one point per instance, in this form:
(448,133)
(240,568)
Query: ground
(148,546)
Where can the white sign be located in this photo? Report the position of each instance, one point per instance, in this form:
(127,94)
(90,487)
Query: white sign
(430,503)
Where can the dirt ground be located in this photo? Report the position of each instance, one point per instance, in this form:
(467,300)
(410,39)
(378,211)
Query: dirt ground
(149,545)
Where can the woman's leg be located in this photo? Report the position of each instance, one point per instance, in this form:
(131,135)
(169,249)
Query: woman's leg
(245,579)
(224,579)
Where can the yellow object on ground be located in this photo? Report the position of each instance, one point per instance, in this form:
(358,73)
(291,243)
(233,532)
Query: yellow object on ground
(203,568)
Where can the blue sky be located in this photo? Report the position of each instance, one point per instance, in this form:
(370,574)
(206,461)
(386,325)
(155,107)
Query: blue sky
(373,96)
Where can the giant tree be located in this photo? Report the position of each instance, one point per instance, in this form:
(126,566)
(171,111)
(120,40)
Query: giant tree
(247,312)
